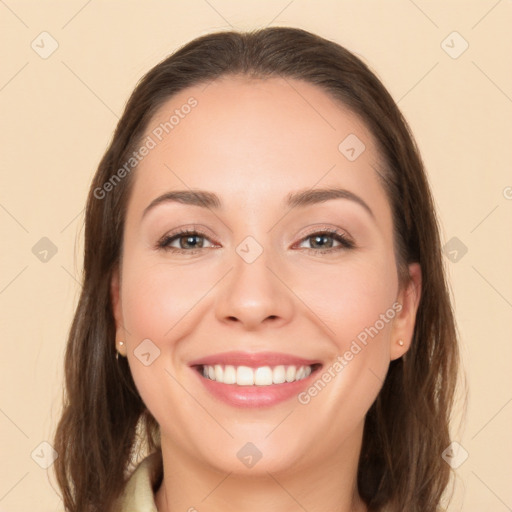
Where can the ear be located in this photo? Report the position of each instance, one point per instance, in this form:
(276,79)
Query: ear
(403,325)
(115,298)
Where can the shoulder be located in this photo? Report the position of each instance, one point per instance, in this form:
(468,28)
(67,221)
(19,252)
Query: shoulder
(138,494)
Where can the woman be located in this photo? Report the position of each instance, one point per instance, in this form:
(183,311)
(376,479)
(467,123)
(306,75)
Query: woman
(264,309)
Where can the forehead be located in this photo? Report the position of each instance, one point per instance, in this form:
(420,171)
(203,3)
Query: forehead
(248,139)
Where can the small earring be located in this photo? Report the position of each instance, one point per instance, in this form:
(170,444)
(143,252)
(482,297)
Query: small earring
(121,343)
(401,343)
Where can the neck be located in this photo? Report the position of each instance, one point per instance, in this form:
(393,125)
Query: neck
(322,485)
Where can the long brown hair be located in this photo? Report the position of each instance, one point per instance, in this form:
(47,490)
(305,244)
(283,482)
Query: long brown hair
(407,427)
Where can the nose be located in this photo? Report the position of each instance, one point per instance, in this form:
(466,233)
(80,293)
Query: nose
(254,295)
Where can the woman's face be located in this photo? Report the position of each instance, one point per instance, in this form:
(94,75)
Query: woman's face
(275,276)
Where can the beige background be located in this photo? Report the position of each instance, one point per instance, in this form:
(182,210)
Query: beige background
(58,115)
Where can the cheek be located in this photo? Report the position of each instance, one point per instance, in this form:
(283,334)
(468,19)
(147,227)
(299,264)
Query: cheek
(162,303)
(352,297)
(357,307)
(157,298)
(159,302)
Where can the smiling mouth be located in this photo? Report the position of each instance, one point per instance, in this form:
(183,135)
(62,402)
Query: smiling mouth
(259,376)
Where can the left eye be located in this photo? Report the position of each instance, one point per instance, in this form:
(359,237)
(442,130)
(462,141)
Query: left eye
(325,241)
(187,240)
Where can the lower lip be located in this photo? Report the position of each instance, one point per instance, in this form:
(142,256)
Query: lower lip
(255,396)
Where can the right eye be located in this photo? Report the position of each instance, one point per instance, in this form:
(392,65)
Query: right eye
(188,241)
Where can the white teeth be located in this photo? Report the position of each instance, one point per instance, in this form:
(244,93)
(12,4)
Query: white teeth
(219,372)
(279,375)
(244,376)
(229,376)
(290,373)
(261,376)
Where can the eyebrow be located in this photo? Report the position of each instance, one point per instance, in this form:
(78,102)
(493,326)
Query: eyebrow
(191,197)
(297,199)
(320,195)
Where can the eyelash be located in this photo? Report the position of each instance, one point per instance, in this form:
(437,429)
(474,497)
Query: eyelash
(345,242)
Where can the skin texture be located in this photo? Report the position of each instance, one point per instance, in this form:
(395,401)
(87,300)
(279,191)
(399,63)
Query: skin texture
(252,142)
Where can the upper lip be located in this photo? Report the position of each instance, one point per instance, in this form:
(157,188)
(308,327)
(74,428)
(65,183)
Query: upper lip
(253,360)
